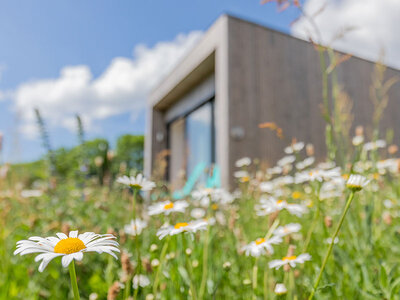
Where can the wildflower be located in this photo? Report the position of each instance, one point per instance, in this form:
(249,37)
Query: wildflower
(243,176)
(135,227)
(294,148)
(287,229)
(289,260)
(388,203)
(206,195)
(358,140)
(261,246)
(374,145)
(243,162)
(266,187)
(274,171)
(271,205)
(138,182)
(31,193)
(286,160)
(140,280)
(197,213)
(280,289)
(69,247)
(155,263)
(317,175)
(356,182)
(168,207)
(227,265)
(190,227)
(305,163)
(329,240)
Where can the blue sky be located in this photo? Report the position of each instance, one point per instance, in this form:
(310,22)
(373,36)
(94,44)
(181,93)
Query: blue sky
(39,38)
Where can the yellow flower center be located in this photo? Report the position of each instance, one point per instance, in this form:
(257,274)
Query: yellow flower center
(136,186)
(279,202)
(293,257)
(376,176)
(245,179)
(214,206)
(168,206)
(345,176)
(260,241)
(180,225)
(296,195)
(69,245)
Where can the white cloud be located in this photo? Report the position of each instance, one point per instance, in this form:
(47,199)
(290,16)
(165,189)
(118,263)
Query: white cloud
(121,88)
(376,26)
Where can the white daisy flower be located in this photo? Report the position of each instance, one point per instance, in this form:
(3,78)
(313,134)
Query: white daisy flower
(197,213)
(392,165)
(294,148)
(69,247)
(356,182)
(31,193)
(204,195)
(275,170)
(261,246)
(358,140)
(138,182)
(243,162)
(287,229)
(280,289)
(135,227)
(305,163)
(289,260)
(266,187)
(317,175)
(388,203)
(374,145)
(326,165)
(140,280)
(190,227)
(286,160)
(271,205)
(168,207)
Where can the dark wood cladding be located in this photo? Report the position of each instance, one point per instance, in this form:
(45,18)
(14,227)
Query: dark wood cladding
(277,78)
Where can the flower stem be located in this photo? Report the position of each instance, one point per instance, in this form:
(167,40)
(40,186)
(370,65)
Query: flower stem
(254,281)
(74,283)
(346,208)
(139,260)
(205,264)
(162,258)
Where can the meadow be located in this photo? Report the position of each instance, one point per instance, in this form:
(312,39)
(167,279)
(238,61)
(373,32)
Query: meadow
(276,214)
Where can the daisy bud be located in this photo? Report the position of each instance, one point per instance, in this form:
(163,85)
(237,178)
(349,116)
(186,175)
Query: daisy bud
(310,149)
(188,251)
(153,247)
(150,297)
(195,263)
(113,291)
(227,266)
(328,221)
(393,149)
(93,296)
(155,263)
(387,218)
(280,289)
(356,182)
(247,281)
(359,130)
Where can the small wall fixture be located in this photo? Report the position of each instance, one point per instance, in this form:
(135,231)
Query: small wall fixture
(237,133)
(159,137)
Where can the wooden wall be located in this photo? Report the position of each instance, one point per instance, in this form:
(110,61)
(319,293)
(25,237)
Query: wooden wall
(277,78)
